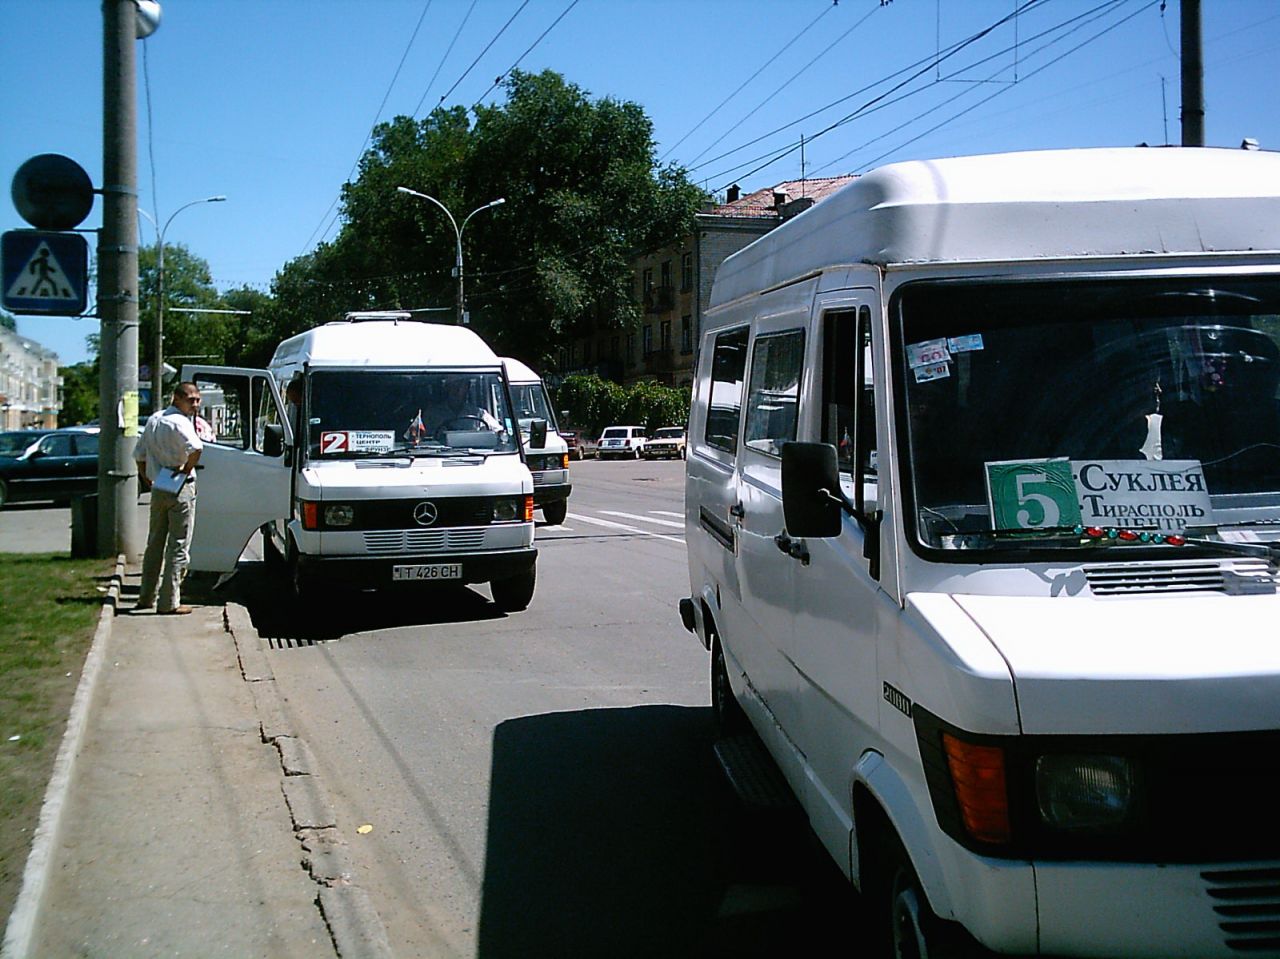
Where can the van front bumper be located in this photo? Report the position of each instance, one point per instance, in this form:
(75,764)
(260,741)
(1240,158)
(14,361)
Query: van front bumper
(375,572)
(551,493)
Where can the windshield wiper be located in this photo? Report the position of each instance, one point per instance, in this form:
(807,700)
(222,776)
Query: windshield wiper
(1269,551)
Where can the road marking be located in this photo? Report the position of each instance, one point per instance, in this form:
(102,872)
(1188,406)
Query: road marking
(622,526)
(645,519)
(666,512)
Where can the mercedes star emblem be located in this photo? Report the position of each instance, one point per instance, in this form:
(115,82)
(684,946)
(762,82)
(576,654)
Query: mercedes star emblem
(424,514)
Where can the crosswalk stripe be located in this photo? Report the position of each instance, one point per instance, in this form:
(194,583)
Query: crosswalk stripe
(667,512)
(645,519)
(623,526)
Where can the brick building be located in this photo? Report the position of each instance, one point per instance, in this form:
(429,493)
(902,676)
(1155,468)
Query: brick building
(673,286)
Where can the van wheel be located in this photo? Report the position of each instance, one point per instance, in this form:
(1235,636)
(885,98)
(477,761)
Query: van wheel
(730,719)
(513,593)
(300,583)
(554,513)
(912,928)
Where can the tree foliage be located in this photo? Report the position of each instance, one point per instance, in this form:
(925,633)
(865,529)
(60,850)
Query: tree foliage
(583,194)
(79,393)
(8,321)
(593,403)
(188,337)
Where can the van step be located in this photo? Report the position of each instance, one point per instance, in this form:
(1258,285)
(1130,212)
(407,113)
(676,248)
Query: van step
(753,774)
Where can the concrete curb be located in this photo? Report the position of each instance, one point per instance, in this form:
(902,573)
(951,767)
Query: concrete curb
(353,922)
(35,876)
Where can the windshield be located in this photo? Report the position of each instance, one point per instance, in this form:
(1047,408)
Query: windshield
(356,413)
(1067,413)
(671,433)
(615,433)
(531,404)
(11,444)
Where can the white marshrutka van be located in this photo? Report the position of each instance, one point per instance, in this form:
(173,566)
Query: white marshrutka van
(983,523)
(376,452)
(549,463)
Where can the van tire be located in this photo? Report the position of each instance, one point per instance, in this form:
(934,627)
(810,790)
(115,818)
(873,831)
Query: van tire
(300,583)
(730,719)
(908,924)
(511,594)
(554,513)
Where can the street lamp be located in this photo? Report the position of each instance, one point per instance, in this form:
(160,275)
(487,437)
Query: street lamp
(457,266)
(157,372)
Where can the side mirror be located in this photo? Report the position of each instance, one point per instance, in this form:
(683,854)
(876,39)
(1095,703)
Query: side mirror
(538,434)
(811,497)
(273,439)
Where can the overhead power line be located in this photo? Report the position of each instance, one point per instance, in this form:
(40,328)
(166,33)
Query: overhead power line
(376,117)
(440,65)
(529,50)
(483,52)
(761,69)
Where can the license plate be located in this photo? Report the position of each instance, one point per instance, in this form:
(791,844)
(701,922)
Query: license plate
(436,571)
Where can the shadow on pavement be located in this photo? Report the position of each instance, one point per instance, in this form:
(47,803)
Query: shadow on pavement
(612,832)
(277,614)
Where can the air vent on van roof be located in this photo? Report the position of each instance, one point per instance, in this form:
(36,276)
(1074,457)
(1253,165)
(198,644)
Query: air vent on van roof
(392,315)
(1234,576)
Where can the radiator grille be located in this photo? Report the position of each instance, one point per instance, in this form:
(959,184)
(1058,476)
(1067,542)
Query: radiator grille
(1247,904)
(422,541)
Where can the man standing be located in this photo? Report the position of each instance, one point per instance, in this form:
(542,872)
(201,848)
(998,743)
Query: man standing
(167,453)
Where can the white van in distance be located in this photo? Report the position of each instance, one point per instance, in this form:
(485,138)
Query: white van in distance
(376,452)
(983,524)
(548,462)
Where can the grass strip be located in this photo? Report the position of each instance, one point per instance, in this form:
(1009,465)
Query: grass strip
(49,607)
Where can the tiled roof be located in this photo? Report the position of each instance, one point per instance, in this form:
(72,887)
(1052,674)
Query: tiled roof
(762,203)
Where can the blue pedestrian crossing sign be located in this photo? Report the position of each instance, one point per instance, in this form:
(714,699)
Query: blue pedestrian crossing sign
(43,272)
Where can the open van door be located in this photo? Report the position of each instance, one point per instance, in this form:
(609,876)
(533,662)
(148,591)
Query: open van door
(245,471)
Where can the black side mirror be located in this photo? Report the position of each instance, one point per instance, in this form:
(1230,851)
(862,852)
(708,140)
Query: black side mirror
(538,434)
(273,439)
(811,498)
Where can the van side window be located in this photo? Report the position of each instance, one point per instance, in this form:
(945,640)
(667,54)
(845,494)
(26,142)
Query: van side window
(728,363)
(846,354)
(774,393)
(267,413)
(225,406)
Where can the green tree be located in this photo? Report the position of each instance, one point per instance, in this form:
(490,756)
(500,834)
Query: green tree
(187,284)
(8,321)
(583,194)
(593,403)
(79,393)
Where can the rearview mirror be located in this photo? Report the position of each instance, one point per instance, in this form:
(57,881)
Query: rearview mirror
(811,497)
(538,434)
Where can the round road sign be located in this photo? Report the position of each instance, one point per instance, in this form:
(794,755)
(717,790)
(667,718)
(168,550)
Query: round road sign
(52,192)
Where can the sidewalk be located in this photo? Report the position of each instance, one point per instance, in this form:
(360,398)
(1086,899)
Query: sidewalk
(174,837)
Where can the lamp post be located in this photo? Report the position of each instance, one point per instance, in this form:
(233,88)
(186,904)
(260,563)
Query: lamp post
(457,266)
(157,372)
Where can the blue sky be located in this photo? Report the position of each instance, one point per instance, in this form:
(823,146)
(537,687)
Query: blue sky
(269,101)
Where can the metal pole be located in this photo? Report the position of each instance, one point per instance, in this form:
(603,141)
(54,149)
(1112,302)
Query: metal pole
(118,287)
(457,231)
(1192,75)
(457,268)
(157,373)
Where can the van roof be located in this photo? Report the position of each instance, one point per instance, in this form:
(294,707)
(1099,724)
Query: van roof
(384,343)
(1020,206)
(517,372)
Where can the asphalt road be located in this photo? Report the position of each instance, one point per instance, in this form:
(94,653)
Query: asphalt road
(542,784)
(35,528)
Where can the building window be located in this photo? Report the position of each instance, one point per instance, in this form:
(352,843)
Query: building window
(666,273)
(686,334)
(631,349)
(686,273)
(666,336)
(647,283)
(648,339)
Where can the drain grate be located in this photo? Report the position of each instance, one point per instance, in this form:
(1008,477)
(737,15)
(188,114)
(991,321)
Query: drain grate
(293,642)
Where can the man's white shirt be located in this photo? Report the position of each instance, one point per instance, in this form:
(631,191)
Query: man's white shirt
(166,441)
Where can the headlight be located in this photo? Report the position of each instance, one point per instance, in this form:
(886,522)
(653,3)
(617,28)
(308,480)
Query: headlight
(339,514)
(506,510)
(1084,792)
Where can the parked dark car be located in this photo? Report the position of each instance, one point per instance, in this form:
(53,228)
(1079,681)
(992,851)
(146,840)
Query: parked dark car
(59,465)
(16,442)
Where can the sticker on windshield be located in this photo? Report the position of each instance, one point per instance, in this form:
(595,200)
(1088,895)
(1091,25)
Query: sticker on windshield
(928,353)
(333,442)
(1160,496)
(964,344)
(934,371)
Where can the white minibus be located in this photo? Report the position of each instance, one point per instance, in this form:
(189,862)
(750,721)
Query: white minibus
(983,525)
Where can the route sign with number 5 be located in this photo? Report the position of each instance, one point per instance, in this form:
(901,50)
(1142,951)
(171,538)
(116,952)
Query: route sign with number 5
(1032,494)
